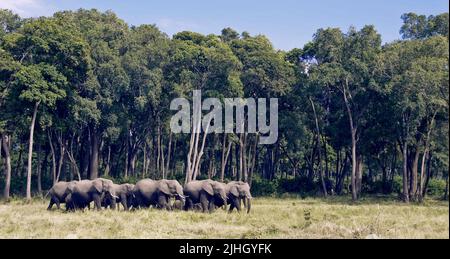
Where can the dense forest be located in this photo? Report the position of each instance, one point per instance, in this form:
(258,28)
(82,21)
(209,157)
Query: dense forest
(85,95)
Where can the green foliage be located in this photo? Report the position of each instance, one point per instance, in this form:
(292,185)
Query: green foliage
(103,85)
(263,187)
(436,187)
(39,83)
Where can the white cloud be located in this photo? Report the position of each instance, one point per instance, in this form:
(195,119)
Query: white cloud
(172,26)
(27,8)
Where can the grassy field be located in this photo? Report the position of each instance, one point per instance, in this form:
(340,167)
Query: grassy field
(270,218)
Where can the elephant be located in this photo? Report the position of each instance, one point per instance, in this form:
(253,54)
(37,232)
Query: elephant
(61,193)
(86,191)
(237,191)
(149,192)
(125,195)
(207,192)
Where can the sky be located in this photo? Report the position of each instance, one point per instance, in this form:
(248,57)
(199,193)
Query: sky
(287,23)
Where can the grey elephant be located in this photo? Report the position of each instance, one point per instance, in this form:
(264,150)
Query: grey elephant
(61,193)
(124,193)
(149,192)
(237,192)
(207,192)
(86,191)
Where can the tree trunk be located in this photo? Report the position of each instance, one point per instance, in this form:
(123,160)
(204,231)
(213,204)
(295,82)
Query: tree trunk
(322,178)
(93,164)
(85,156)
(353,134)
(73,162)
(414,175)
(30,151)
(225,154)
(446,187)
(169,151)
(52,149)
(39,168)
(108,161)
(405,172)
(359,170)
(6,144)
(62,152)
(255,155)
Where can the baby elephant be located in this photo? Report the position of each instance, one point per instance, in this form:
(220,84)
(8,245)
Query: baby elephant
(61,193)
(124,195)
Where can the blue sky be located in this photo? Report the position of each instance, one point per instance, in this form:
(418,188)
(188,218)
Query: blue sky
(288,23)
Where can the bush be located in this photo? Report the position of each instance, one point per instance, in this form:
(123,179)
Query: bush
(300,185)
(436,187)
(263,187)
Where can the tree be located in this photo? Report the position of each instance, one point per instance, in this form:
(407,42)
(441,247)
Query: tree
(37,84)
(345,62)
(421,27)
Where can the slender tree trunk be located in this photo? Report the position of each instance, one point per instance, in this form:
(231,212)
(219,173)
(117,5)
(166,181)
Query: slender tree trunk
(93,164)
(108,161)
(144,162)
(6,144)
(30,150)
(405,172)
(322,178)
(169,151)
(359,170)
(446,187)
(38,169)
(353,135)
(62,152)
(225,154)
(53,156)
(424,159)
(200,154)
(414,174)
(85,155)
(73,163)
(252,168)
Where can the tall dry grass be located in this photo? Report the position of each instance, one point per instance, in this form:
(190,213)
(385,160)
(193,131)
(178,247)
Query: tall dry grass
(270,218)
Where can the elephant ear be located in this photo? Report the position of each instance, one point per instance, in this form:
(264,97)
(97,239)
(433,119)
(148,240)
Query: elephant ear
(98,185)
(207,187)
(234,191)
(164,188)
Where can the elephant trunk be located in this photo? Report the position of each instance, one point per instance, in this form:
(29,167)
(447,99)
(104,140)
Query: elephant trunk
(248,202)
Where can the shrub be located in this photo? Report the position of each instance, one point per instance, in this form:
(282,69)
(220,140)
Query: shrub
(300,185)
(263,187)
(436,187)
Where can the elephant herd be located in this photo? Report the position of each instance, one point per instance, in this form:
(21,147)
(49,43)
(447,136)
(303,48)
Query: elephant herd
(206,195)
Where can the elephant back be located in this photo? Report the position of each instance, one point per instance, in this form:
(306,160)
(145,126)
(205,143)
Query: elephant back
(145,187)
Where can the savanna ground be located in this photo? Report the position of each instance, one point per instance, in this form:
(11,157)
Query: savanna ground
(270,218)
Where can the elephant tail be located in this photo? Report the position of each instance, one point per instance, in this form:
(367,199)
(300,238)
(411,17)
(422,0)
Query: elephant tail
(48,192)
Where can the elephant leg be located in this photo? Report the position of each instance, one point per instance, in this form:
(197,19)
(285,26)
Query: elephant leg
(234,204)
(204,201)
(50,205)
(238,204)
(58,205)
(231,207)
(212,205)
(189,205)
(113,204)
(97,202)
(124,202)
(162,202)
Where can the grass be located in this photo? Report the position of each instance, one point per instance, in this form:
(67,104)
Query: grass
(270,218)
